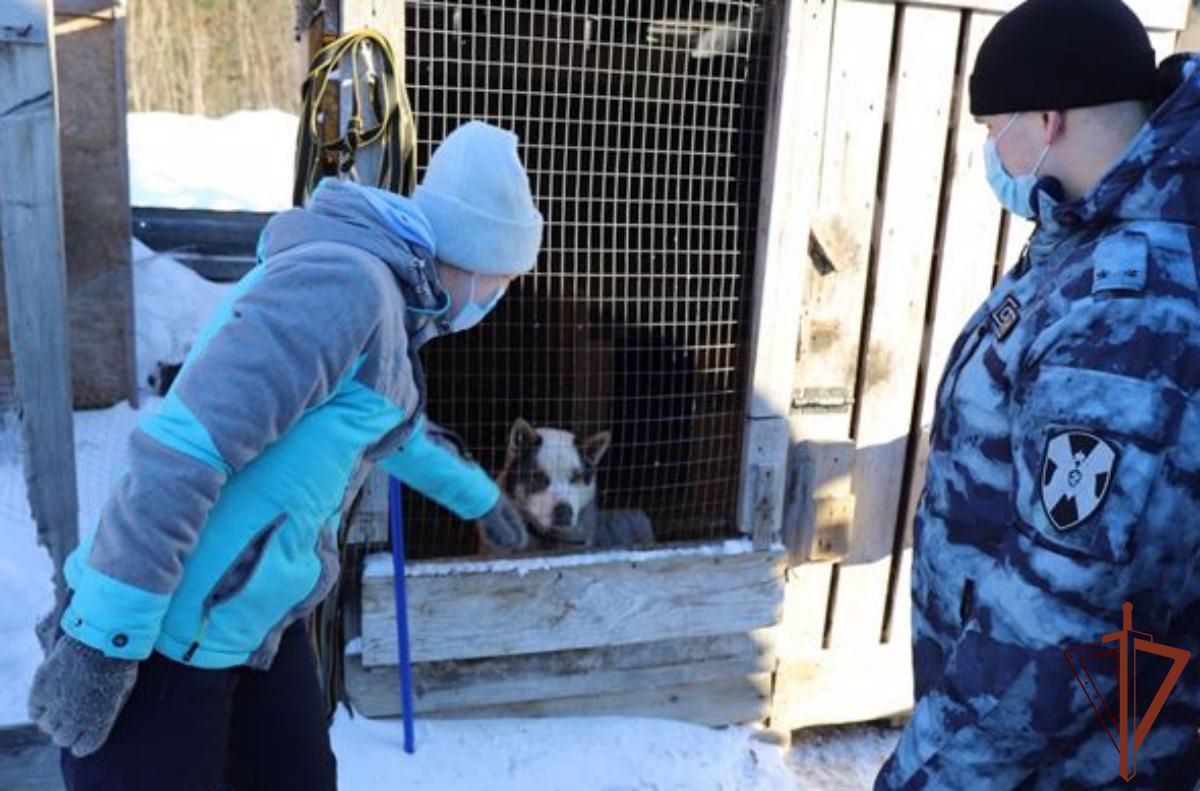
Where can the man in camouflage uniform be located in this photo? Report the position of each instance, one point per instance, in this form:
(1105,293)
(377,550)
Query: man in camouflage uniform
(1064,473)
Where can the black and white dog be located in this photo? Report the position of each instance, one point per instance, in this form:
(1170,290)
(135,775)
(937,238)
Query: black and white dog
(551,476)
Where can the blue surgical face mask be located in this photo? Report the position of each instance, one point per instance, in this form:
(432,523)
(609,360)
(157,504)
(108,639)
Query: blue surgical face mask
(472,313)
(1015,193)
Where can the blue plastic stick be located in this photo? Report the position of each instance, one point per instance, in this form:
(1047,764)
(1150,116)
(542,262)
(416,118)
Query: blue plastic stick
(396,527)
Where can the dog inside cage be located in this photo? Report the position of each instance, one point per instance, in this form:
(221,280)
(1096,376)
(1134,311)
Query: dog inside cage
(641,125)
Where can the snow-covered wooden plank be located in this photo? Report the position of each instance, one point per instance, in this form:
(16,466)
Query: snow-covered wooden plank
(456,684)
(35,277)
(474,609)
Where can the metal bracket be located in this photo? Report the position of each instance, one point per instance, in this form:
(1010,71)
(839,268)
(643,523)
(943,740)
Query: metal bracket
(822,399)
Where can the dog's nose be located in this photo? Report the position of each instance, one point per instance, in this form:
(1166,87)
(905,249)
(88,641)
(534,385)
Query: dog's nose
(561,515)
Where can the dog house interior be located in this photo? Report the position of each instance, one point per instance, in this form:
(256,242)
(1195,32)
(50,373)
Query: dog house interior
(645,154)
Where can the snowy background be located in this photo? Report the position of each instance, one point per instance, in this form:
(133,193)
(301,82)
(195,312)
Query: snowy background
(249,167)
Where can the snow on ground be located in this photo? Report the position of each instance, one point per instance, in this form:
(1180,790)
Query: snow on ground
(173,305)
(842,757)
(244,161)
(583,754)
(26,588)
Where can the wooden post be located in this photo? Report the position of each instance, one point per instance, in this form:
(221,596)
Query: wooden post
(89,60)
(791,163)
(31,249)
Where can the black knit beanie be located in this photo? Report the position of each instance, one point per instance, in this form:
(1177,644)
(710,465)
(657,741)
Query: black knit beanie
(1061,54)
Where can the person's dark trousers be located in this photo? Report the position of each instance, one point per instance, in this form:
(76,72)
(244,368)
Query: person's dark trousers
(184,728)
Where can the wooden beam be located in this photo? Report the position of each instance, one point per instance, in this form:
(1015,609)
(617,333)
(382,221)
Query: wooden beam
(489,609)
(716,703)
(821,503)
(369,519)
(912,189)
(967,258)
(1155,14)
(839,686)
(35,278)
(90,65)
(108,9)
(456,684)
(761,504)
(791,162)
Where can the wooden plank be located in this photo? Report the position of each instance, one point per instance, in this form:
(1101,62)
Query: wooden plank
(912,189)
(90,62)
(1155,14)
(1164,43)
(815,687)
(967,255)
(801,631)
(839,686)
(33,769)
(1189,37)
(761,506)
(103,8)
(482,609)
(791,164)
(457,684)
(728,701)
(835,286)
(31,249)
(898,628)
(369,520)
(1016,233)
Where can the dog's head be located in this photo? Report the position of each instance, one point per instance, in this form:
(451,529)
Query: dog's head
(552,477)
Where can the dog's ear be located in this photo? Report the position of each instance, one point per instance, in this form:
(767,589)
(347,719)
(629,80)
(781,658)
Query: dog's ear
(523,436)
(594,447)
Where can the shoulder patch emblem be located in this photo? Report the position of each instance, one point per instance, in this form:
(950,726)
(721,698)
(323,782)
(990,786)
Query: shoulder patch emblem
(1076,476)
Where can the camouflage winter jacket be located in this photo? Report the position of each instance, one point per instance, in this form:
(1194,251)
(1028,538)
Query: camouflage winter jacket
(1064,480)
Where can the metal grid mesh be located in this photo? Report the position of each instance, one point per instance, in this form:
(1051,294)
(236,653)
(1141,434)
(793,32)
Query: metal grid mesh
(641,126)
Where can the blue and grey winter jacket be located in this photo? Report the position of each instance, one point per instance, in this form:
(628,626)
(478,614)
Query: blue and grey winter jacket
(223,529)
(1064,480)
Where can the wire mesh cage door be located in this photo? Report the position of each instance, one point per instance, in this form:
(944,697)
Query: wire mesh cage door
(641,125)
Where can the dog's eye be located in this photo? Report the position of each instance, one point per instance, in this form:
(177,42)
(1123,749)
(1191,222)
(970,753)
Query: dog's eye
(582,477)
(539,481)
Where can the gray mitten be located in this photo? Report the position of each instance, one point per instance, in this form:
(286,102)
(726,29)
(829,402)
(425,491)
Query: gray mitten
(47,628)
(77,694)
(504,527)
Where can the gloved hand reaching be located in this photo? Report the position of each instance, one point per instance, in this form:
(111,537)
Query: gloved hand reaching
(503,527)
(77,694)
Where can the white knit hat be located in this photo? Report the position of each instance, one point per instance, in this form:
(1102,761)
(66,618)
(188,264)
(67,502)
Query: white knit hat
(476,197)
